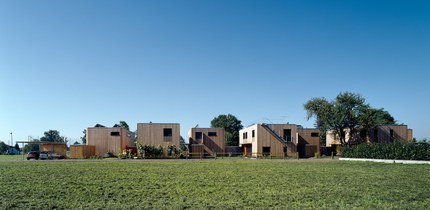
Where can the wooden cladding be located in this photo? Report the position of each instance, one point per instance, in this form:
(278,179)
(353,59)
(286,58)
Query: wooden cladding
(155,134)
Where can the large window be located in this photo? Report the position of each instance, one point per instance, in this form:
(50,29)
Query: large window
(315,134)
(266,151)
(199,135)
(114,133)
(167,133)
(212,134)
(245,135)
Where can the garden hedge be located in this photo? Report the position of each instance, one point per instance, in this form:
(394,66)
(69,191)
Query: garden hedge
(396,151)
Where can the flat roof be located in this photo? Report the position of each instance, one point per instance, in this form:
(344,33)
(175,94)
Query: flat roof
(39,142)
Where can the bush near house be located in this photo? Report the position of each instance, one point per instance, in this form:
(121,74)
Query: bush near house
(396,150)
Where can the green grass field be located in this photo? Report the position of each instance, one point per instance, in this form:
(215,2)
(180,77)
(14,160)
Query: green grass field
(11,157)
(213,184)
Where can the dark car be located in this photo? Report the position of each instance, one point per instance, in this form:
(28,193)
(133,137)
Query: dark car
(33,155)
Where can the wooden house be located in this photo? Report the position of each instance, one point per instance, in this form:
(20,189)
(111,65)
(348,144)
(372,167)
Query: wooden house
(163,134)
(380,134)
(105,140)
(206,140)
(279,140)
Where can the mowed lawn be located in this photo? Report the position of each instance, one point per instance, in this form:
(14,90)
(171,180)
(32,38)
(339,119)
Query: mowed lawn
(213,184)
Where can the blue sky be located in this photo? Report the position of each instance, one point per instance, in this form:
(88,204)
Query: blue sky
(67,65)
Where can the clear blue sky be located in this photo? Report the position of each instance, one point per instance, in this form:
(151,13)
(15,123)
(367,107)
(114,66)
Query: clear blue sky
(67,65)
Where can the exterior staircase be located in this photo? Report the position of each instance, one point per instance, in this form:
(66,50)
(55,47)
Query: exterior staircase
(289,144)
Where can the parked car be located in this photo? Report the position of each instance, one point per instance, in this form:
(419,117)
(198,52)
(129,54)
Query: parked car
(45,156)
(33,155)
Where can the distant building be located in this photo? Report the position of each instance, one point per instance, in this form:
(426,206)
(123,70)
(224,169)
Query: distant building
(206,140)
(158,134)
(279,140)
(379,134)
(105,140)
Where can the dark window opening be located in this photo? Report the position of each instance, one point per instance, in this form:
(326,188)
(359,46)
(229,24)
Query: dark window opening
(212,134)
(114,133)
(199,135)
(391,133)
(287,134)
(266,151)
(167,132)
(253,133)
(315,134)
(245,135)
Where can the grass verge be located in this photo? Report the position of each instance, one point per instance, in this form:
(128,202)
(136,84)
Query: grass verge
(213,184)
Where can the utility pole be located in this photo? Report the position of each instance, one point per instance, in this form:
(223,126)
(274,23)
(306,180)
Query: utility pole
(11,141)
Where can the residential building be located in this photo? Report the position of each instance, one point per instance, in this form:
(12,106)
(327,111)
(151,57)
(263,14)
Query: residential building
(206,140)
(105,140)
(158,134)
(279,140)
(381,134)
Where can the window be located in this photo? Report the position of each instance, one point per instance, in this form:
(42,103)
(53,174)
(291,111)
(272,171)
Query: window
(245,135)
(391,133)
(212,134)
(315,134)
(199,135)
(287,134)
(167,132)
(114,133)
(253,133)
(266,151)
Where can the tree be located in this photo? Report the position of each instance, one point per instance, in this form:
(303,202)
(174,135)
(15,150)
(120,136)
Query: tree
(52,136)
(231,125)
(347,113)
(372,117)
(3,147)
(84,138)
(17,146)
(182,145)
(123,124)
(31,147)
(76,143)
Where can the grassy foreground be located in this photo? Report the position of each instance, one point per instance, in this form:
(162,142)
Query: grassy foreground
(208,184)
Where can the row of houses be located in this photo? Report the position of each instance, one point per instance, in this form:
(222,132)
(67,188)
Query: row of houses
(257,140)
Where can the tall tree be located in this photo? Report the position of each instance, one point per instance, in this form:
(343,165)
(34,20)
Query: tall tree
(231,125)
(182,145)
(84,137)
(372,117)
(344,114)
(52,136)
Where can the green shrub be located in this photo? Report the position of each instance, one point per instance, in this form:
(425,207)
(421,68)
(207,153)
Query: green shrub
(396,150)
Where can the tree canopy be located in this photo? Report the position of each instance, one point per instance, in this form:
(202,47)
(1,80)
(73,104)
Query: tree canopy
(52,136)
(231,125)
(347,113)
(84,137)
(3,147)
